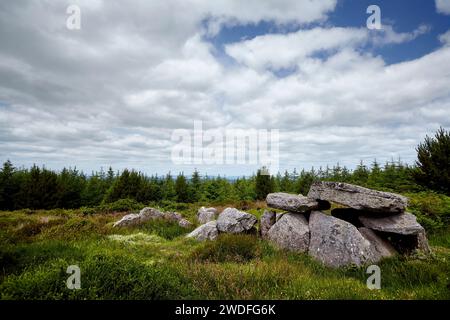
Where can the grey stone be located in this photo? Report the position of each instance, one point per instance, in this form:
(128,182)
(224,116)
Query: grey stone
(291,232)
(128,220)
(232,220)
(337,243)
(173,216)
(381,247)
(403,223)
(291,202)
(147,214)
(268,219)
(184,223)
(405,233)
(205,215)
(207,231)
(357,197)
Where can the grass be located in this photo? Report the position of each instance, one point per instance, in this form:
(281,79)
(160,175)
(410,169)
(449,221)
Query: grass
(156,261)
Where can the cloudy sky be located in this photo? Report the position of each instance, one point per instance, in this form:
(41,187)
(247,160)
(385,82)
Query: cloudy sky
(113,92)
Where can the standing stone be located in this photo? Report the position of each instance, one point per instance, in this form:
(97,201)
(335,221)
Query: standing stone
(232,220)
(381,247)
(291,232)
(207,231)
(205,215)
(268,219)
(357,197)
(337,243)
(291,202)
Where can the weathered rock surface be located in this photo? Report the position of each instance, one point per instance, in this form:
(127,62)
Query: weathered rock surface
(405,233)
(232,220)
(403,223)
(268,219)
(207,231)
(291,202)
(128,220)
(357,197)
(291,232)
(147,214)
(381,247)
(337,243)
(150,213)
(173,216)
(184,223)
(205,215)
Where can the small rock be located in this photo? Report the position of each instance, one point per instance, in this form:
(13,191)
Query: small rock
(184,223)
(337,243)
(357,197)
(207,231)
(291,202)
(173,216)
(232,220)
(205,215)
(268,219)
(291,232)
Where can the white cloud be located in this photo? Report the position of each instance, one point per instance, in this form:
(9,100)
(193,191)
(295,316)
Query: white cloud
(111,93)
(443,6)
(445,38)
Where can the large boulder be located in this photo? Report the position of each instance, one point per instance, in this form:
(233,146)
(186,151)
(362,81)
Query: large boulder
(291,202)
(128,220)
(403,230)
(207,231)
(357,197)
(148,213)
(205,215)
(381,246)
(232,220)
(291,232)
(337,243)
(268,219)
(403,223)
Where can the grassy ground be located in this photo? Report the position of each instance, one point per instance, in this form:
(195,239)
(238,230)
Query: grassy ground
(155,261)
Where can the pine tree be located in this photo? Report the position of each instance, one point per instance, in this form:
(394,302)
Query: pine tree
(181,188)
(264,184)
(433,162)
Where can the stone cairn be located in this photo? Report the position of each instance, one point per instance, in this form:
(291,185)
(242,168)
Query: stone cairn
(366,225)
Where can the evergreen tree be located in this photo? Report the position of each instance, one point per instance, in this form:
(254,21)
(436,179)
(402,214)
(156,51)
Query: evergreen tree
(8,186)
(433,162)
(264,184)
(181,188)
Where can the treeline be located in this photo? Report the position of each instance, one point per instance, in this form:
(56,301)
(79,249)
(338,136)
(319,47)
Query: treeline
(41,188)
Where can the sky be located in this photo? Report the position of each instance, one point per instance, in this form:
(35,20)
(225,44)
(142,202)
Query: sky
(114,92)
